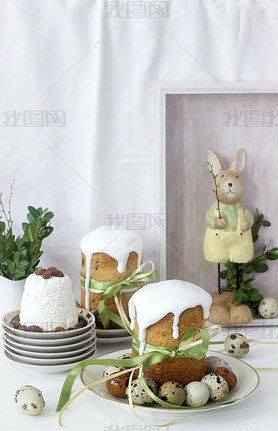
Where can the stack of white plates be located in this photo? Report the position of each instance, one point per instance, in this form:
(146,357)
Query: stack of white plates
(50,352)
(107,336)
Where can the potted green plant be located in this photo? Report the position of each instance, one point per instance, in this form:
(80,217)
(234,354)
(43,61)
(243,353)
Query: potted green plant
(20,255)
(247,294)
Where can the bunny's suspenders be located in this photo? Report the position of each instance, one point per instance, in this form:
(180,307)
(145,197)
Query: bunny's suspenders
(235,245)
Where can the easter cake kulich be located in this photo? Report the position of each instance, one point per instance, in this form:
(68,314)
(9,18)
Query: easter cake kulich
(161,313)
(108,254)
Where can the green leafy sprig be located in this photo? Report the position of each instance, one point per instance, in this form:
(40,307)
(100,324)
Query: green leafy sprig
(20,256)
(247,294)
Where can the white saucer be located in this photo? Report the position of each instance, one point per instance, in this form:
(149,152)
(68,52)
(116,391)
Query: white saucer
(51,342)
(49,355)
(89,317)
(248,381)
(50,369)
(110,333)
(48,362)
(107,340)
(49,349)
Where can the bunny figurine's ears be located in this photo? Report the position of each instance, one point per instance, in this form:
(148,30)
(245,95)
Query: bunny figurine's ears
(238,163)
(214,163)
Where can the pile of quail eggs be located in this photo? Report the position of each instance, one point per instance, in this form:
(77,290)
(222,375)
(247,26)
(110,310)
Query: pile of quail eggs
(215,385)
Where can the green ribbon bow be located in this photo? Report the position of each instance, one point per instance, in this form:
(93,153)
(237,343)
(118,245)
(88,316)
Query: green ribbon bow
(194,344)
(111,288)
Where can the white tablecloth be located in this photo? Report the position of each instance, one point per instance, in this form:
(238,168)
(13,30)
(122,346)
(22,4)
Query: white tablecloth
(255,413)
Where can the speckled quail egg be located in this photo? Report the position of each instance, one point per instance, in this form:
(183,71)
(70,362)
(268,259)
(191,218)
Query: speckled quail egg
(172,392)
(197,394)
(138,393)
(213,362)
(111,369)
(268,308)
(217,386)
(117,385)
(29,400)
(236,345)
(228,375)
(125,356)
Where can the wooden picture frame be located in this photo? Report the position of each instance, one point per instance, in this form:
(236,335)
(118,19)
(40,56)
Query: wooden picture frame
(188,124)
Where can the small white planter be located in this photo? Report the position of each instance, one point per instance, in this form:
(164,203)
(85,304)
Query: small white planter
(10,295)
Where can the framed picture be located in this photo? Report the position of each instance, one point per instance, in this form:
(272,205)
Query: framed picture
(192,119)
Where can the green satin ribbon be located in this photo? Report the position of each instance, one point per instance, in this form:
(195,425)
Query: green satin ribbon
(153,356)
(182,351)
(110,289)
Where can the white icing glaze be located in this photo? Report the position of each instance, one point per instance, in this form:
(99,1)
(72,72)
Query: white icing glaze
(48,303)
(117,243)
(154,301)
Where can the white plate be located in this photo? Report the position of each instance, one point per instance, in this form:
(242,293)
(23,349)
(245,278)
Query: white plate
(44,369)
(6,319)
(111,333)
(53,342)
(35,361)
(248,381)
(49,355)
(50,349)
(107,340)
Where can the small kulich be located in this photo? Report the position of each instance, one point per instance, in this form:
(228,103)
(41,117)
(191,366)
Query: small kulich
(108,255)
(168,299)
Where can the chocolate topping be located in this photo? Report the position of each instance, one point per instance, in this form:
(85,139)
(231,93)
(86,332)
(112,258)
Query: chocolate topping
(49,272)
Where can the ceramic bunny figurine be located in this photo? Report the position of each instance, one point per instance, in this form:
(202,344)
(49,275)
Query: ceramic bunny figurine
(228,235)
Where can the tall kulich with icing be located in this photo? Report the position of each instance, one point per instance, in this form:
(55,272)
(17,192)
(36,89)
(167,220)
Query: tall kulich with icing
(108,254)
(161,313)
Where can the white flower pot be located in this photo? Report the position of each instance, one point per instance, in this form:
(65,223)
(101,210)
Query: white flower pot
(11,293)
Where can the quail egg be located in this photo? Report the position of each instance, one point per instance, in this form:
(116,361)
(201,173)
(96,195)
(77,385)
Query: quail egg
(268,308)
(138,393)
(213,362)
(228,375)
(117,385)
(236,345)
(172,392)
(29,400)
(125,356)
(197,394)
(111,369)
(217,386)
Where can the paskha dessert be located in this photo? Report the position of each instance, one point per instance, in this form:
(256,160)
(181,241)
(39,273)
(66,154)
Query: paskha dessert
(47,303)
(108,254)
(161,313)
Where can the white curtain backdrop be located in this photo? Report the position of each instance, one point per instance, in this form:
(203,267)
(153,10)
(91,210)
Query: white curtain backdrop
(66,55)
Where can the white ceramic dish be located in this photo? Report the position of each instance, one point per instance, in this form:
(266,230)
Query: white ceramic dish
(48,355)
(52,342)
(44,369)
(110,333)
(41,362)
(107,340)
(248,381)
(90,318)
(49,349)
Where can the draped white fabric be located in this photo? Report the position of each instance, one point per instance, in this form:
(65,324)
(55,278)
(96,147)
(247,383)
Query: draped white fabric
(78,104)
